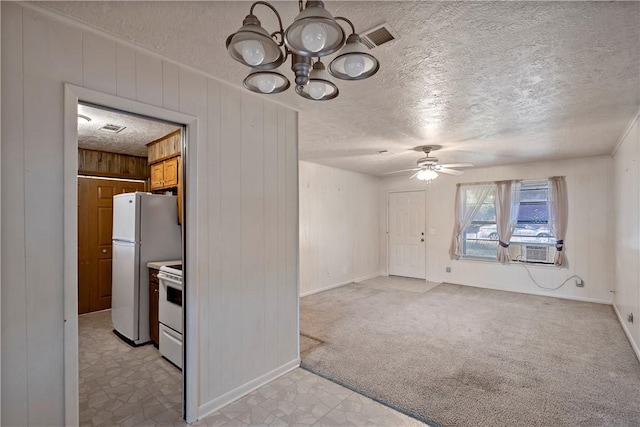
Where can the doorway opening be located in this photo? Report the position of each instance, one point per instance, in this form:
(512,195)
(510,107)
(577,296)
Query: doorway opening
(130,235)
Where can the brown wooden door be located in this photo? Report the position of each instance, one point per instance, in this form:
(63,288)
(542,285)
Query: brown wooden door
(95,219)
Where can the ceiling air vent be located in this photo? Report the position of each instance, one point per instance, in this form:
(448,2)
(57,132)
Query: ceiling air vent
(379,35)
(112,128)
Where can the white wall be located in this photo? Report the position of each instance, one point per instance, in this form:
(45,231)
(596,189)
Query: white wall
(588,243)
(626,192)
(338,227)
(245,216)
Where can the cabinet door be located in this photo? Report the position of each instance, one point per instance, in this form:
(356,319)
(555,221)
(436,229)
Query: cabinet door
(154,299)
(179,192)
(171,172)
(157,176)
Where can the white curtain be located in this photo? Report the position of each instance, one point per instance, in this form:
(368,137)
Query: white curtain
(558,216)
(507,203)
(469,199)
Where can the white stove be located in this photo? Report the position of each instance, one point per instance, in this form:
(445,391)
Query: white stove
(170,313)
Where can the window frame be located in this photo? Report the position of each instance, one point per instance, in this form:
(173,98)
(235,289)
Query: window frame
(548,242)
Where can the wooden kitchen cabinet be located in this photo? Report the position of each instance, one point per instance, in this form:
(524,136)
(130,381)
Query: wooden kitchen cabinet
(171,172)
(164,174)
(180,193)
(157,176)
(164,148)
(154,300)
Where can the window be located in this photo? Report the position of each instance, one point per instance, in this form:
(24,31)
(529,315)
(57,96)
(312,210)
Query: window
(532,239)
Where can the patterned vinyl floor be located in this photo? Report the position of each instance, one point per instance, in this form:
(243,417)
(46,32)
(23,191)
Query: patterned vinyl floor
(125,386)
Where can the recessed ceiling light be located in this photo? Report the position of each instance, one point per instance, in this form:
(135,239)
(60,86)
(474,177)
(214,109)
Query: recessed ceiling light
(82,116)
(112,128)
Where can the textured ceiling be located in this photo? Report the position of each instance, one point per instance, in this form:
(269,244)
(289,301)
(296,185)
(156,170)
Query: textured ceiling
(132,140)
(492,82)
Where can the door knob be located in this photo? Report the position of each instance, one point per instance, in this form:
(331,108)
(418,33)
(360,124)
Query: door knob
(422,240)
(104,251)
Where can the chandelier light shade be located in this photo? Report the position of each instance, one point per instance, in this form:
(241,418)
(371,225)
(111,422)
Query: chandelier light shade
(313,34)
(320,86)
(354,62)
(252,46)
(266,82)
(427,175)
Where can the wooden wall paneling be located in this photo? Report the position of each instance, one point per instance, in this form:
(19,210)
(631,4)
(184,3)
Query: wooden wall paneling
(291,346)
(230,240)
(148,79)
(210,313)
(282,232)
(581,202)
(271,237)
(170,86)
(193,100)
(0,227)
(99,63)
(113,165)
(599,236)
(52,52)
(252,177)
(125,71)
(14,338)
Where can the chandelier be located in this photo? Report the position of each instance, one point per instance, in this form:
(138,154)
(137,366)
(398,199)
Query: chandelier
(313,34)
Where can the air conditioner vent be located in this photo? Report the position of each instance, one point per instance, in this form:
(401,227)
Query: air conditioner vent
(112,128)
(535,253)
(378,36)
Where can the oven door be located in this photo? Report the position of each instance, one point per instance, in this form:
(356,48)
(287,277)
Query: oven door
(170,304)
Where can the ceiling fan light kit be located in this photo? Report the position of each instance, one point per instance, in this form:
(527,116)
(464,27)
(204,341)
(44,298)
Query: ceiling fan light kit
(428,167)
(314,33)
(427,175)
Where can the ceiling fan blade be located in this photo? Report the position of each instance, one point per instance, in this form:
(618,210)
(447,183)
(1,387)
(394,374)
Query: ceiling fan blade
(457,165)
(450,171)
(400,171)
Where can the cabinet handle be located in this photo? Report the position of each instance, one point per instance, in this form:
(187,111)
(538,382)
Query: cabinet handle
(104,251)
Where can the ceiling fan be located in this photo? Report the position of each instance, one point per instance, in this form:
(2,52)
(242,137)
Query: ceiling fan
(429,168)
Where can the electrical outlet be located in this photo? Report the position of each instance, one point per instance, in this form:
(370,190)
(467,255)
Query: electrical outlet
(630,317)
(448,269)
(579,283)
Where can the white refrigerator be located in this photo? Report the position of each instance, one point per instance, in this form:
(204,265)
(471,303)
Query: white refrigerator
(145,228)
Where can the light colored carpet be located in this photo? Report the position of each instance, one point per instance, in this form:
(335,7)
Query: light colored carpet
(463,356)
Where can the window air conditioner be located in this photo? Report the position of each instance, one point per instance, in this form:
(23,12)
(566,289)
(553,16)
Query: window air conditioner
(536,253)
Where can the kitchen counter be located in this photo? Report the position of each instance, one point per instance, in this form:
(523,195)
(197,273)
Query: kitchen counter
(158,264)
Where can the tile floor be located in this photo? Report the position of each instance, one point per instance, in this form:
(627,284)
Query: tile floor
(122,385)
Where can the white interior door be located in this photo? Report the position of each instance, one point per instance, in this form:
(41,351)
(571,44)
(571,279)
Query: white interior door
(407,255)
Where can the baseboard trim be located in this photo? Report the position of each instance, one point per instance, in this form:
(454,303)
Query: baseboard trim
(569,297)
(217,403)
(337,285)
(634,346)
